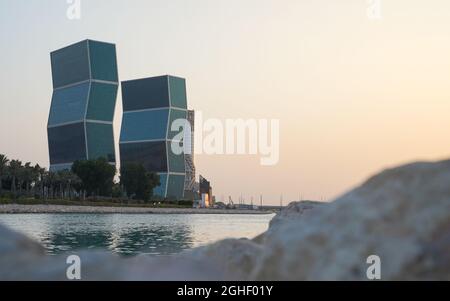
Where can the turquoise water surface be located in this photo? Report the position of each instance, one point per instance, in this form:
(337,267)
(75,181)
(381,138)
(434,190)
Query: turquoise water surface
(132,234)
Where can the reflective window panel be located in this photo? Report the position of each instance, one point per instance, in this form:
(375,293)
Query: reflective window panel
(178,97)
(103,61)
(176,162)
(144,125)
(174,115)
(59,167)
(145,93)
(69,104)
(161,190)
(175,187)
(100,139)
(151,154)
(70,64)
(67,143)
(102,102)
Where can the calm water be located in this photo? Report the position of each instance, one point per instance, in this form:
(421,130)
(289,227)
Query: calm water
(133,234)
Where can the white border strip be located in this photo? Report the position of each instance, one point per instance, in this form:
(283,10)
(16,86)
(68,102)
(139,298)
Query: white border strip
(87,102)
(99,121)
(142,141)
(147,110)
(86,81)
(65,123)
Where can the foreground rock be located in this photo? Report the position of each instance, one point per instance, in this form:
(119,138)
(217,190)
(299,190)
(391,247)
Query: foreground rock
(294,211)
(401,215)
(24,259)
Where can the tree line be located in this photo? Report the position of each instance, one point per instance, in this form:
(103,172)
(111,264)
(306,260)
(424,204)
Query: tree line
(86,179)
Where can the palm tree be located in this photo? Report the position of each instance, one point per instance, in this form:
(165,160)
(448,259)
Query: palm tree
(64,182)
(76,184)
(15,167)
(58,184)
(27,176)
(68,181)
(33,180)
(40,174)
(3,168)
(22,176)
(51,180)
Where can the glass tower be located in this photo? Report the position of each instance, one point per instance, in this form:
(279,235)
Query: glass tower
(85,83)
(150,105)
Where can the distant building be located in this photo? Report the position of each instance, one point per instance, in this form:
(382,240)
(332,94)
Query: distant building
(150,105)
(206,193)
(85,83)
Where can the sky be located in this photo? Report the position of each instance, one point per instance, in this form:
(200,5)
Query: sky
(354,95)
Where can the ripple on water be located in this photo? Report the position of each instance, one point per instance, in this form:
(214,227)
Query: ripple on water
(130,234)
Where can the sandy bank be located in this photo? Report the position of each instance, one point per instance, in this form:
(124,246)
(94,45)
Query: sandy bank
(8,209)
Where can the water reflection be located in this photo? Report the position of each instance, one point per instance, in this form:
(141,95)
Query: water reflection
(133,234)
(125,235)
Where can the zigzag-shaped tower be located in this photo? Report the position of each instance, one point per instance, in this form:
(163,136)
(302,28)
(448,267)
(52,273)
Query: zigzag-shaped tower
(85,83)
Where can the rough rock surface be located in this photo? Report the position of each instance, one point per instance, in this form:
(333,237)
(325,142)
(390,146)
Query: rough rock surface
(294,211)
(402,215)
(236,258)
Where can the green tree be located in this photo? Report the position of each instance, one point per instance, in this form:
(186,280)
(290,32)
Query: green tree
(14,170)
(50,181)
(76,184)
(63,178)
(73,181)
(28,177)
(67,180)
(97,176)
(40,177)
(138,183)
(3,169)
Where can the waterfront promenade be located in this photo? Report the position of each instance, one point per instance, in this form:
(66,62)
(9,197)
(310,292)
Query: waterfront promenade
(39,209)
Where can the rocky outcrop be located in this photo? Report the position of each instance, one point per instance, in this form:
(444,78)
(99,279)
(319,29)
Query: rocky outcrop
(236,258)
(401,215)
(294,211)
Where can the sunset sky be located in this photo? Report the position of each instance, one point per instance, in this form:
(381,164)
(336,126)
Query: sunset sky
(353,95)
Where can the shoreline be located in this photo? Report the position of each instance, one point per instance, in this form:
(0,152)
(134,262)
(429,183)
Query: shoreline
(65,209)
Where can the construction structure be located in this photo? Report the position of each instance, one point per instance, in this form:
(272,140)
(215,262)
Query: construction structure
(205,193)
(189,182)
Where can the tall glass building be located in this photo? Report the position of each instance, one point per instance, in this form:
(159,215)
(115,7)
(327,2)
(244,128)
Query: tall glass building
(150,105)
(85,83)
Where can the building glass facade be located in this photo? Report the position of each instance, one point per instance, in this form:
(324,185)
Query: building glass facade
(85,84)
(150,106)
